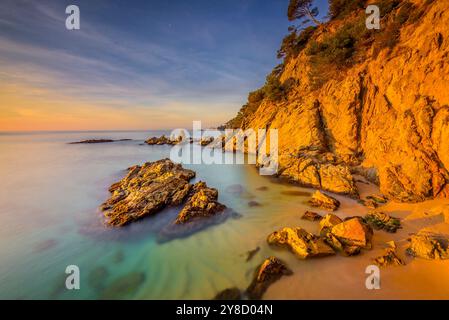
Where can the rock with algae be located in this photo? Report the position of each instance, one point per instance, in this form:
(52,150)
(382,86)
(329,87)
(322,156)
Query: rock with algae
(389,257)
(382,221)
(429,246)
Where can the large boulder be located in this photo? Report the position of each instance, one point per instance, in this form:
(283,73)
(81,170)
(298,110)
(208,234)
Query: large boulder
(146,190)
(353,232)
(302,243)
(313,169)
(271,270)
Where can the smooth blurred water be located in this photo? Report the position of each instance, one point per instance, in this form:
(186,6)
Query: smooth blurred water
(49,219)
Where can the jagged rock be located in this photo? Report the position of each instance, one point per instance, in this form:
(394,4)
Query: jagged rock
(271,270)
(338,179)
(428,246)
(146,190)
(202,203)
(382,221)
(353,232)
(311,216)
(308,171)
(206,141)
(328,221)
(300,242)
(229,294)
(324,201)
(163,140)
(389,257)
(337,245)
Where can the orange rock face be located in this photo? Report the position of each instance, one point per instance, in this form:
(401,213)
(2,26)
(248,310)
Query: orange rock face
(387,116)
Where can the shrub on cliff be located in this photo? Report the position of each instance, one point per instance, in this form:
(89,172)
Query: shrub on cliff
(339,9)
(294,43)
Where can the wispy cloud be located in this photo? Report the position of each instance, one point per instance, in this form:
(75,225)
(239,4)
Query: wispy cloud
(111,67)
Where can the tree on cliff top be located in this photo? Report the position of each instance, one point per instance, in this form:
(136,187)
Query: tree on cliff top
(302,10)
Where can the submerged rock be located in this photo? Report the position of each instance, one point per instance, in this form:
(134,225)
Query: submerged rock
(311,216)
(382,221)
(254,203)
(97,277)
(146,190)
(229,294)
(389,257)
(163,140)
(302,243)
(429,246)
(124,287)
(271,270)
(324,201)
(201,203)
(250,254)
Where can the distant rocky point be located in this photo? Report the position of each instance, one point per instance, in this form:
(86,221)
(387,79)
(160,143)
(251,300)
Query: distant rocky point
(98,141)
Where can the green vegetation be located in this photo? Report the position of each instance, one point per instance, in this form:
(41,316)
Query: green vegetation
(294,43)
(335,52)
(339,9)
(273,90)
(331,52)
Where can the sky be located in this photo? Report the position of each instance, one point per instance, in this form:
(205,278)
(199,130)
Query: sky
(134,65)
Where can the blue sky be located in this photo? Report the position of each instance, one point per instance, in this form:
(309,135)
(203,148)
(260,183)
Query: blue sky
(134,64)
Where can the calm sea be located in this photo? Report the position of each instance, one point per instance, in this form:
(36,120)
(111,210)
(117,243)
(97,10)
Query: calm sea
(49,219)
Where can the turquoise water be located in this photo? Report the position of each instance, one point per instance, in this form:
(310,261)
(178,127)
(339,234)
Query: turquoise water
(49,219)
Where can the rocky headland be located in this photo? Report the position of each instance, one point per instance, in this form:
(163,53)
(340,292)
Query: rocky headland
(93,141)
(378,107)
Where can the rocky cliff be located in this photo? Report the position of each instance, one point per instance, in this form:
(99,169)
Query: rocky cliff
(378,106)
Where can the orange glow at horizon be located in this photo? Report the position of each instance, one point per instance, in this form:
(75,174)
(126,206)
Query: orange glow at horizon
(25,108)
